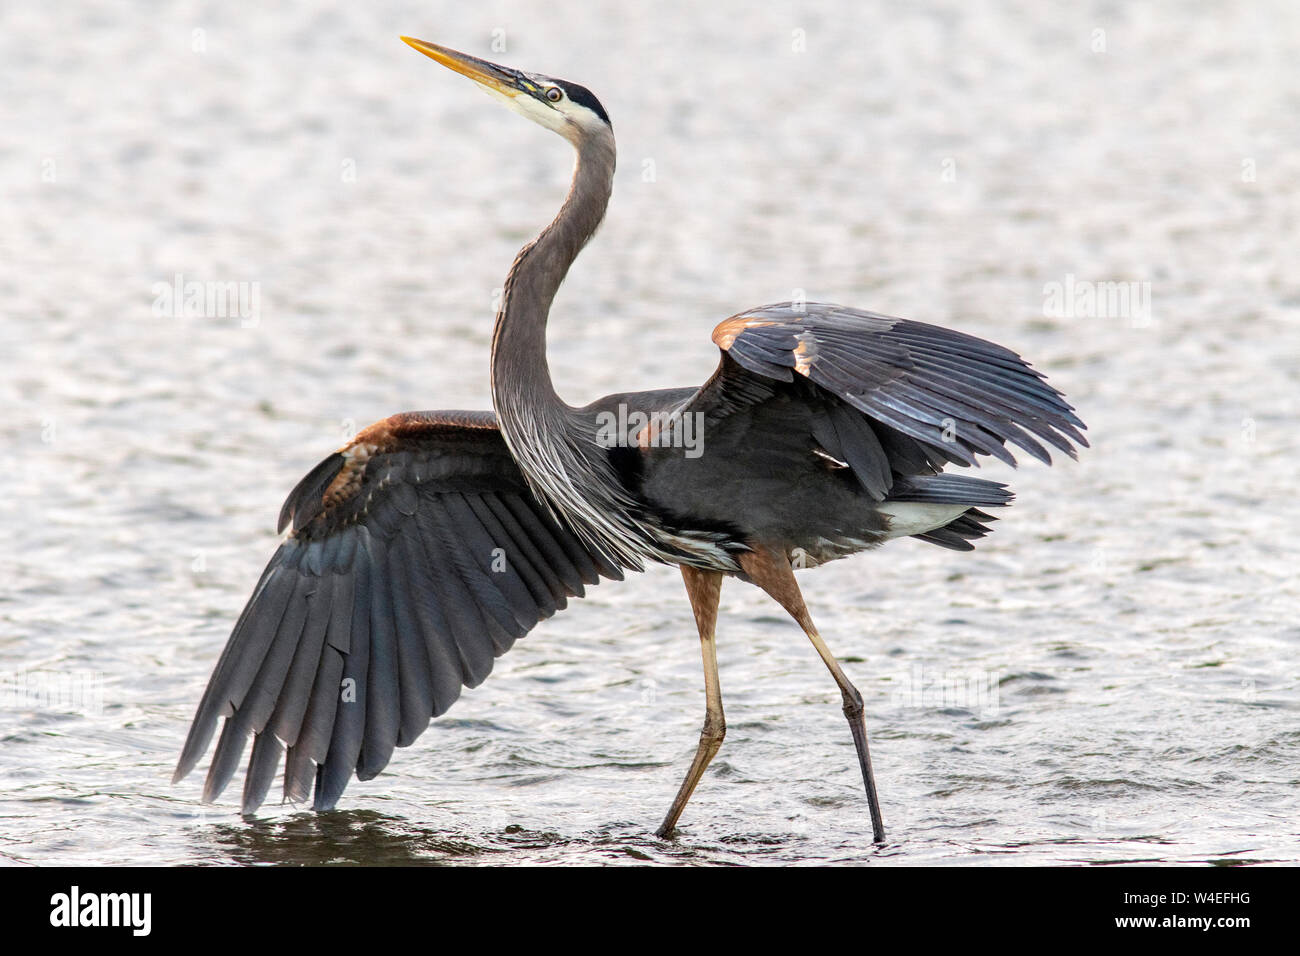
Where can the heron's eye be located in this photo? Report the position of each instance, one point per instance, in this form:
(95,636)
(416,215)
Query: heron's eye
(555,94)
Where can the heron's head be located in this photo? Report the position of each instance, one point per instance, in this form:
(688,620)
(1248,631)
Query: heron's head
(567,108)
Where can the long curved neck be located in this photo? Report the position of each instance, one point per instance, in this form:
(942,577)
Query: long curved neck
(521,378)
(554,446)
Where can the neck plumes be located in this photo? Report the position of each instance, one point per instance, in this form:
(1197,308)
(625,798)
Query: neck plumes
(554,448)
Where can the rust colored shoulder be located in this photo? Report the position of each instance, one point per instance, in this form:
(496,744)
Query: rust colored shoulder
(406,426)
(726,331)
(334,487)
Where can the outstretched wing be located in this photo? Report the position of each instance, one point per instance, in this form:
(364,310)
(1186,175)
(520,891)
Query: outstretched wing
(930,396)
(418,555)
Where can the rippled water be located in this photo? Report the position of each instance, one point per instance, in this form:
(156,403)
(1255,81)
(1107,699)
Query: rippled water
(1112,676)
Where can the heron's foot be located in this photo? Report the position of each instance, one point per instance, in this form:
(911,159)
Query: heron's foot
(855,712)
(711,737)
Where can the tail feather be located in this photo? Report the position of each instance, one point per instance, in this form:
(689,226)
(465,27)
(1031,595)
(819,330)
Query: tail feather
(957,535)
(949,489)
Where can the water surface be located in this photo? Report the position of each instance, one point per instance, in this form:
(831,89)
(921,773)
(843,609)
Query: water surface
(1111,677)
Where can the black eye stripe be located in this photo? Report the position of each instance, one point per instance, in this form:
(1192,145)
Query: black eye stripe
(584,97)
(575,94)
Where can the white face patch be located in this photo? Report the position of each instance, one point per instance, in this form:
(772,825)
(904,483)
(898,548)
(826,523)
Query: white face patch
(541,113)
(565,117)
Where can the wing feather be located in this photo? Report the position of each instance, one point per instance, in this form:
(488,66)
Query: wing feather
(417,556)
(930,396)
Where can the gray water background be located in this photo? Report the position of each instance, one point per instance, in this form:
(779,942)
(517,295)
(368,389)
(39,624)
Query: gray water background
(1110,677)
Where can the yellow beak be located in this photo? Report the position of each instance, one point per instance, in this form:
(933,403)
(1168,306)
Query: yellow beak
(496,78)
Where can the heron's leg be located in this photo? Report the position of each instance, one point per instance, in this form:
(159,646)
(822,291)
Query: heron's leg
(703,588)
(772,572)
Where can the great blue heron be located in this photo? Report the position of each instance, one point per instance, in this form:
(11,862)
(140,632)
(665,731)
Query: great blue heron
(423,548)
